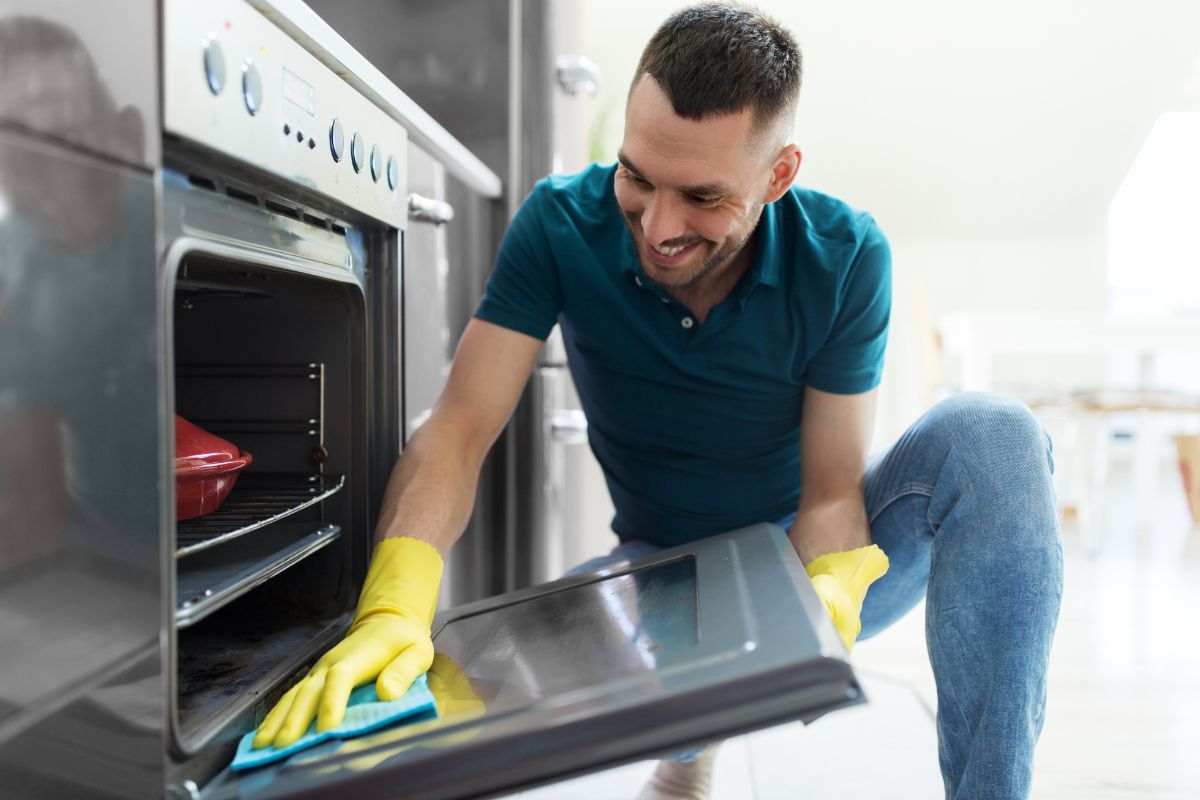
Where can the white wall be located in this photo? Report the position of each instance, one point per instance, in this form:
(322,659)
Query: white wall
(935,277)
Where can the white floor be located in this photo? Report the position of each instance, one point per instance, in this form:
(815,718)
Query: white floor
(1123,716)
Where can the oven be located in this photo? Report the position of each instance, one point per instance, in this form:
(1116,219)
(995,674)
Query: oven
(283,200)
(272,346)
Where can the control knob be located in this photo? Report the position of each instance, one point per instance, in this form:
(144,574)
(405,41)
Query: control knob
(357,154)
(252,91)
(375,164)
(393,173)
(214,66)
(337,140)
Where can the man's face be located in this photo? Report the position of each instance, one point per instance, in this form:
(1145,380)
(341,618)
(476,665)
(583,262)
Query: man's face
(691,191)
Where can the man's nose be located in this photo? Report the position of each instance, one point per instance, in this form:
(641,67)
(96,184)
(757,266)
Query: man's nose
(662,219)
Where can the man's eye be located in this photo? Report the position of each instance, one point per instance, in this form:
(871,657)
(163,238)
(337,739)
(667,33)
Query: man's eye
(702,200)
(639,180)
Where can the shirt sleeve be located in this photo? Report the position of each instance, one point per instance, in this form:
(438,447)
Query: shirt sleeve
(851,359)
(523,292)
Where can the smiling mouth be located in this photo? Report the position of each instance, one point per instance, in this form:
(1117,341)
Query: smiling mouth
(671,256)
(670,251)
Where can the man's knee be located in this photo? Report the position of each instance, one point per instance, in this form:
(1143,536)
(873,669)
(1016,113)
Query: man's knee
(995,432)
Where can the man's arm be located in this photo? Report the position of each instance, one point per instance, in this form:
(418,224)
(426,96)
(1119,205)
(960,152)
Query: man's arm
(431,490)
(832,534)
(425,508)
(834,436)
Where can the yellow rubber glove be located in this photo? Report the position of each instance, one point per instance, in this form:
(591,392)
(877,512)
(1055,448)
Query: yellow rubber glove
(841,581)
(456,702)
(388,642)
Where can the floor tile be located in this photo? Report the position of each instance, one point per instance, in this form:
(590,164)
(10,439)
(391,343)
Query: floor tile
(731,778)
(885,750)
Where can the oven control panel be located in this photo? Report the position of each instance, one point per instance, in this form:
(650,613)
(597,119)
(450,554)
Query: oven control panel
(236,83)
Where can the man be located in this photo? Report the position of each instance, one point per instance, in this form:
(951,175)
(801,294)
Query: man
(726,333)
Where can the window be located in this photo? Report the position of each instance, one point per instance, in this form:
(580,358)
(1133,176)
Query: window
(1154,224)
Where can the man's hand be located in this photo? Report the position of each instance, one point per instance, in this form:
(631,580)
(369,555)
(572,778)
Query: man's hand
(389,642)
(457,702)
(841,581)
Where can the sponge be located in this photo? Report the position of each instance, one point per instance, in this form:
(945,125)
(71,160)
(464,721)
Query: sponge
(365,713)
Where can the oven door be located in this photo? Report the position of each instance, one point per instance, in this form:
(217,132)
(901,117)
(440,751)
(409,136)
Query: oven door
(692,644)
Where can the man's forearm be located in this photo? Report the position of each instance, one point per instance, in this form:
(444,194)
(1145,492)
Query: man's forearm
(431,491)
(830,525)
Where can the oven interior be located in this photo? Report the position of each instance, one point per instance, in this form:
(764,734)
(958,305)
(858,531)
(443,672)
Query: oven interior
(271,359)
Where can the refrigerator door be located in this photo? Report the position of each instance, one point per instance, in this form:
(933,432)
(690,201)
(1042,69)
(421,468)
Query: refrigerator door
(692,644)
(577,509)
(427,345)
(576,80)
(446,249)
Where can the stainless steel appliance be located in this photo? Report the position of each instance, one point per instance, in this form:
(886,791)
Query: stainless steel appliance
(235,257)
(285,200)
(266,257)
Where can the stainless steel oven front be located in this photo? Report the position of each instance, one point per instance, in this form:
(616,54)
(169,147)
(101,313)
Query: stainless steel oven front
(282,207)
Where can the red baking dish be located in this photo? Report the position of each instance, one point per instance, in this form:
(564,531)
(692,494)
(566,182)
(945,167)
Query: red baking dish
(206,468)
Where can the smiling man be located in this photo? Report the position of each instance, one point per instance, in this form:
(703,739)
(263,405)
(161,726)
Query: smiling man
(726,332)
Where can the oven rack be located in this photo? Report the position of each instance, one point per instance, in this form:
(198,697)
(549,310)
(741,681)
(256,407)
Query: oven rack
(257,500)
(218,577)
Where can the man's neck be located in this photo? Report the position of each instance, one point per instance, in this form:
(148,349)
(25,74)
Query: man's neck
(708,293)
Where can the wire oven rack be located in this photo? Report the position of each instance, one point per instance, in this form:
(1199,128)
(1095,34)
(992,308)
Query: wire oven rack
(257,500)
(218,577)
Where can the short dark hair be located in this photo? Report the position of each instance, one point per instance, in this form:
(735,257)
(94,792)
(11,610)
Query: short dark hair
(720,58)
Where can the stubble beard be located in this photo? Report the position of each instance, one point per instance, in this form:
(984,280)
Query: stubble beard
(712,264)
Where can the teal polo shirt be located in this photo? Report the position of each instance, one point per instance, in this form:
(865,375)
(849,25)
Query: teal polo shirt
(696,426)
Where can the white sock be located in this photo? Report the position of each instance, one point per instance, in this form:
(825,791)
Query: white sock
(677,780)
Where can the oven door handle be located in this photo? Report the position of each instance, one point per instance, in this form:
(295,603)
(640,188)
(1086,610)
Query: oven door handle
(427,209)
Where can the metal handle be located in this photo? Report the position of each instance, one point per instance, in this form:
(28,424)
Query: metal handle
(568,426)
(426,209)
(577,75)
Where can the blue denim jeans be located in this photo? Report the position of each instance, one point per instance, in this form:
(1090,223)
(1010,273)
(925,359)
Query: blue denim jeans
(963,505)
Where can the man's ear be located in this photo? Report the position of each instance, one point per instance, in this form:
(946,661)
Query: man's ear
(783,172)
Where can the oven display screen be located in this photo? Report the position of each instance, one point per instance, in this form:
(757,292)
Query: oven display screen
(299,92)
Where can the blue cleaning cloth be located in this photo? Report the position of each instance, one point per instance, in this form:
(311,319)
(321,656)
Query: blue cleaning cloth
(365,712)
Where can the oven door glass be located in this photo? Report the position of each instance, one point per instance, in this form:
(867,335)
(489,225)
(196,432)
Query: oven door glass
(704,641)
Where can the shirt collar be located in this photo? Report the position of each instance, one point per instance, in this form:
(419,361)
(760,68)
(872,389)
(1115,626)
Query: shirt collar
(765,267)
